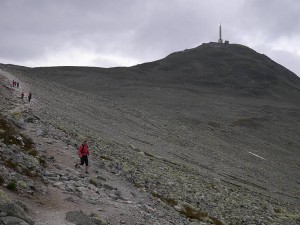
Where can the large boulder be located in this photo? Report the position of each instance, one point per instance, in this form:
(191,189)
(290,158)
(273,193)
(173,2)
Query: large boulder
(80,218)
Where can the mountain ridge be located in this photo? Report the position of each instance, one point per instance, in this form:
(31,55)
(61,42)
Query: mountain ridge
(234,67)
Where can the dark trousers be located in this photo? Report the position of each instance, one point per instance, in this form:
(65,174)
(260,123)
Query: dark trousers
(84,160)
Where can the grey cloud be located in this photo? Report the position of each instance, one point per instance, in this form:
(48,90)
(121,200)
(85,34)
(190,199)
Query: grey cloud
(274,17)
(290,61)
(145,30)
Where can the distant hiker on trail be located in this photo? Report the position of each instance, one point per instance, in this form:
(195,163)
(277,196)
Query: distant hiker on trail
(29,96)
(17,84)
(22,95)
(83,152)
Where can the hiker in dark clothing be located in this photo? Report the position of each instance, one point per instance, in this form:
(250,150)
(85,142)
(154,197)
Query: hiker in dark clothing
(22,95)
(29,96)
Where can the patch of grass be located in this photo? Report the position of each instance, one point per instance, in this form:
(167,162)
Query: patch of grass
(42,162)
(212,186)
(154,194)
(1,180)
(12,186)
(216,221)
(11,135)
(170,201)
(28,143)
(105,158)
(33,152)
(137,185)
(7,133)
(11,164)
(27,172)
(17,115)
(194,214)
(91,181)
(189,211)
(197,214)
(277,210)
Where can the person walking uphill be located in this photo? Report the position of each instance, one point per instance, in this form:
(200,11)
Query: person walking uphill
(83,152)
(29,96)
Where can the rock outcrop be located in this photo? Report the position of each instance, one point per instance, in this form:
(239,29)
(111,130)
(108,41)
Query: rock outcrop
(12,213)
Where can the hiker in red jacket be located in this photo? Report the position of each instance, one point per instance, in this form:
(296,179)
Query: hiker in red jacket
(83,152)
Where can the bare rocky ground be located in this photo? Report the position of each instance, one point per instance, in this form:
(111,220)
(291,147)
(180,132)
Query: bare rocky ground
(137,173)
(103,193)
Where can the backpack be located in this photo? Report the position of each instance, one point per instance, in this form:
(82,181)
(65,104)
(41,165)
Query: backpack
(82,149)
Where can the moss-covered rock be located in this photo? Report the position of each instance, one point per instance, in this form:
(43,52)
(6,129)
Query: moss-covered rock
(12,209)
(80,218)
(3,198)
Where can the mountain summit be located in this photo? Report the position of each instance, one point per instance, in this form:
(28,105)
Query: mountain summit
(226,68)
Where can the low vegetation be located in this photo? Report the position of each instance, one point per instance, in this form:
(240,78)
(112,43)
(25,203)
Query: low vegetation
(1,180)
(12,186)
(10,135)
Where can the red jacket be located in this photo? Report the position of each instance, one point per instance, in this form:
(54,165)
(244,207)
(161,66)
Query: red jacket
(83,150)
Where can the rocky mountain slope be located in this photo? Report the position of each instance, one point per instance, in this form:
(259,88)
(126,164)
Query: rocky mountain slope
(40,185)
(212,133)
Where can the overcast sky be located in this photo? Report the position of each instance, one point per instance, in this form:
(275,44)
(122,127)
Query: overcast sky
(109,33)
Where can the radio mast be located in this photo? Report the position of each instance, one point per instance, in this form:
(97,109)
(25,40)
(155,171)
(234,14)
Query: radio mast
(220,34)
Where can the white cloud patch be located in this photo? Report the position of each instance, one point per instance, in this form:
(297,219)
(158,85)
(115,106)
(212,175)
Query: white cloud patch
(287,43)
(80,57)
